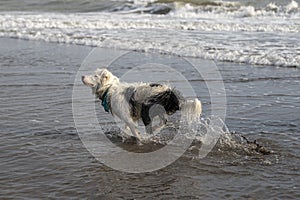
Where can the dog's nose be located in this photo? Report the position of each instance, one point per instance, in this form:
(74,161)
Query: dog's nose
(82,78)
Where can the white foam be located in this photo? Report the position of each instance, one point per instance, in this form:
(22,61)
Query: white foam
(247,35)
(272,7)
(292,7)
(235,9)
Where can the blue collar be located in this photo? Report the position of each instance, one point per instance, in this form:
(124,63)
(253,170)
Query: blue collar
(105,102)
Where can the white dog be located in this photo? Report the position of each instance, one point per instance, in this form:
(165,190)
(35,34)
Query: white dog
(134,101)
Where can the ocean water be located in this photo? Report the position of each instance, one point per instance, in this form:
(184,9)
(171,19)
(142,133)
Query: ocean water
(255,45)
(258,32)
(42,155)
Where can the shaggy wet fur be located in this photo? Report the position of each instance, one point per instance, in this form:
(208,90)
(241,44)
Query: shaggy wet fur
(139,101)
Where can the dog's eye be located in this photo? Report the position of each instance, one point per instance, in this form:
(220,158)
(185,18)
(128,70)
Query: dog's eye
(96,76)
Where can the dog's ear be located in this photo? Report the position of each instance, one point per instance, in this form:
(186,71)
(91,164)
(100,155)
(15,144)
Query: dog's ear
(105,76)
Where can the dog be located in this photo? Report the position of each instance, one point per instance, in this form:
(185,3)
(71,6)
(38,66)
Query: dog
(132,102)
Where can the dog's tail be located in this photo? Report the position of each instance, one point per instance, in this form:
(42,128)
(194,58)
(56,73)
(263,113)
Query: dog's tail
(191,110)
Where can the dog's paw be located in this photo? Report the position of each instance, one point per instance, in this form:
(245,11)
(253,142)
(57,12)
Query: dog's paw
(130,140)
(139,143)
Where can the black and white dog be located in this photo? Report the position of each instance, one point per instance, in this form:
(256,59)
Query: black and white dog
(134,101)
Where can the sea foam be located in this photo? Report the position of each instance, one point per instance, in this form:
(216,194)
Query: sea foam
(233,33)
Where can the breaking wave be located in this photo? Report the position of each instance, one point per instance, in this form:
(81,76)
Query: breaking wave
(222,31)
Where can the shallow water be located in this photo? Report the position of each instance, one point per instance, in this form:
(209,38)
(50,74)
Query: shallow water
(43,157)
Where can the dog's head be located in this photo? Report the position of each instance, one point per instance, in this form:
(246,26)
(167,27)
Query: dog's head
(101,79)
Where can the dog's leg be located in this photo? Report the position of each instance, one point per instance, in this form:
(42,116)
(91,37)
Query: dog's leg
(162,123)
(146,119)
(149,129)
(126,132)
(163,119)
(132,127)
(157,127)
(126,129)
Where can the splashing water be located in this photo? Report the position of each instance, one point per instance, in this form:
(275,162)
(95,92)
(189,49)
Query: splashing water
(208,131)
